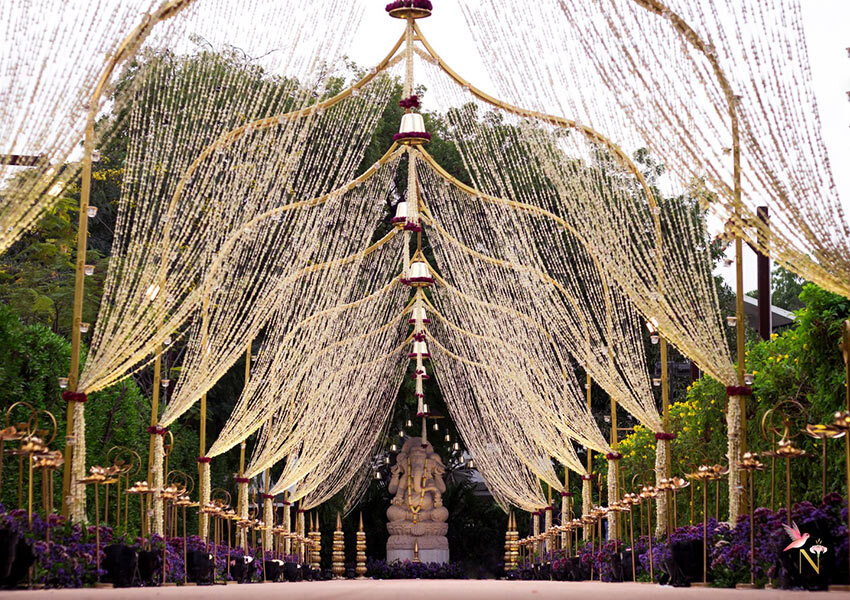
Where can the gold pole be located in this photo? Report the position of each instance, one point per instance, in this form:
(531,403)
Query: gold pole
(203,447)
(167,9)
(588,385)
(97,528)
(665,403)
(632,541)
(79,278)
(614,533)
(649,538)
(29,490)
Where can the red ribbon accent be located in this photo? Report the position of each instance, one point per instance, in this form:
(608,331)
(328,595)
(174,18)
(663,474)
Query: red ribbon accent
(587,477)
(613,456)
(286,502)
(74,396)
(566,494)
(204,459)
(267,496)
(301,511)
(739,390)
(242,480)
(549,508)
(156,430)
(665,436)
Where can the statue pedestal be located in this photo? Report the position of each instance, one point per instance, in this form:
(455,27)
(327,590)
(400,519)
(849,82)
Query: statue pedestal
(430,536)
(436,555)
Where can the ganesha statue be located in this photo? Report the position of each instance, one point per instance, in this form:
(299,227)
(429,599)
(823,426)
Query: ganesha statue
(417,518)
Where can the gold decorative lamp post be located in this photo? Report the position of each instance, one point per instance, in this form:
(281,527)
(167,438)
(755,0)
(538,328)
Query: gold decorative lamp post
(705,473)
(648,493)
(750,464)
(97,476)
(676,484)
(823,432)
(628,501)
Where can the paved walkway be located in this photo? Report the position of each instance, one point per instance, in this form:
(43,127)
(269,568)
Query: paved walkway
(419,590)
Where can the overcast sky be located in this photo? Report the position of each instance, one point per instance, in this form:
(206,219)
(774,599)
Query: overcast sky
(826,32)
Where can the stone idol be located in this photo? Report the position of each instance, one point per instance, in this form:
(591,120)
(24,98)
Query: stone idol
(416,514)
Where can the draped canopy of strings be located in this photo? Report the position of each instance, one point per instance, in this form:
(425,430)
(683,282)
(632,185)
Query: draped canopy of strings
(242,216)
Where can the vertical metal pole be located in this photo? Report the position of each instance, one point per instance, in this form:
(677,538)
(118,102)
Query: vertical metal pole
(614,534)
(79,279)
(668,446)
(588,385)
(734,472)
(203,447)
(763,278)
(157,379)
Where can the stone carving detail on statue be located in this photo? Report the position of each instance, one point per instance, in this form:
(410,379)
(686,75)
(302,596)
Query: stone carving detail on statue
(416,513)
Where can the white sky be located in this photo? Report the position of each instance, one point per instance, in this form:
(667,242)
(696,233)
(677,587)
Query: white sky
(826,31)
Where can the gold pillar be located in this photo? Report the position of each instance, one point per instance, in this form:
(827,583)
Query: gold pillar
(339,550)
(361,550)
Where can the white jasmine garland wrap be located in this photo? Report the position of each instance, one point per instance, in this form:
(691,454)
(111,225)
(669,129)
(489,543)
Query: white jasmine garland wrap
(78,467)
(661,498)
(157,483)
(203,521)
(613,496)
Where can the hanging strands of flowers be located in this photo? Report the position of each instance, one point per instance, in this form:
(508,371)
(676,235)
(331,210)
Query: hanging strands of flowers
(58,74)
(508,478)
(525,395)
(328,304)
(334,240)
(347,427)
(738,93)
(570,296)
(189,174)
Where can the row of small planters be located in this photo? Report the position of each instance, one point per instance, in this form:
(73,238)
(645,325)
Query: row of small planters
(678,560)
(68,560)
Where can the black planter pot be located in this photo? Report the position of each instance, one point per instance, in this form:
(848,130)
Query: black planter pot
(150,567)
(685,564)
(22,559)
(8,542)
(199,566)
(242,568)
(119,562)
(290,571)
(273,569)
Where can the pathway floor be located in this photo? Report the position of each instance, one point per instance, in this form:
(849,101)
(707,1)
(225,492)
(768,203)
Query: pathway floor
(419,590)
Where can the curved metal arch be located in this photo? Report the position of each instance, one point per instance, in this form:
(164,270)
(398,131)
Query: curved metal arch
(562,122)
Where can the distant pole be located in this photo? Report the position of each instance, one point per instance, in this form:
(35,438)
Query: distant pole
(763,263)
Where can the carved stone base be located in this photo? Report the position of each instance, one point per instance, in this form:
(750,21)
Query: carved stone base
(425,556)
(424,528)
(432,548)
